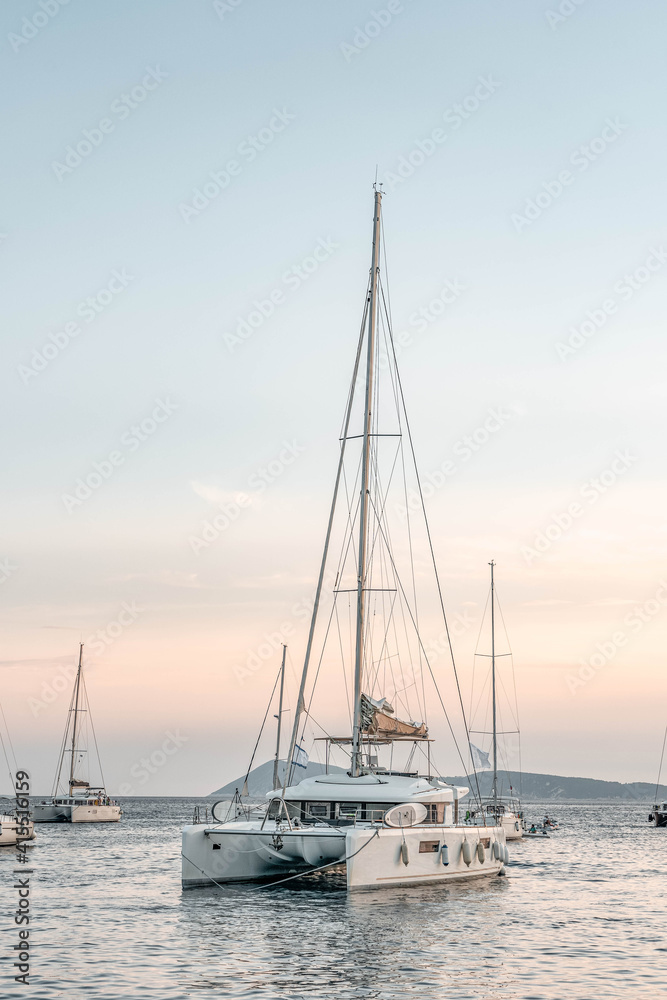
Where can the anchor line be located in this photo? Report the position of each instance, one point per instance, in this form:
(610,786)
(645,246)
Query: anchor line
(331,864)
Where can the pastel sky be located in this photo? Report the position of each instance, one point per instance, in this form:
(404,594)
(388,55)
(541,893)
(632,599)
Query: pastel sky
(170,165)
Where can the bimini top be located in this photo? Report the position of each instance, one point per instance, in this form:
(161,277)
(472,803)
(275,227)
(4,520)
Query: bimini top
(370,788)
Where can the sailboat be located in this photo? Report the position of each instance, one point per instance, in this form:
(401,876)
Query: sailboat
(504,810)
(83,803)
(13,828)
(390,819)
(658,815)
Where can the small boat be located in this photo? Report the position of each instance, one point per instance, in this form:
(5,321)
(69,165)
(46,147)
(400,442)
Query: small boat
(83,802)
(389,819)
(658,814)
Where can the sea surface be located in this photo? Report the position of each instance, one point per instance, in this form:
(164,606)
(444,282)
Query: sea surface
(580,916)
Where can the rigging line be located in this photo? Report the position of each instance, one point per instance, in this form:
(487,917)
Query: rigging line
(329,736)
(435,567)
(325,553)
(513,715)
(342,660)
(317,673)
(261,729)
(61,755)
(662,756)
(9,739)
(393,373)
(92,727)
(331,864)
(435,683)
(474,662)
(9,768)
(384,648)
(516,697)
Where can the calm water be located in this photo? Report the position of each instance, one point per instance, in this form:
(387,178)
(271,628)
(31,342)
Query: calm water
(582,915)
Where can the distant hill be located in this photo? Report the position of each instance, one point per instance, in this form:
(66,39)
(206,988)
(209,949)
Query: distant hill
(260,779)
(534,787)
(538,787)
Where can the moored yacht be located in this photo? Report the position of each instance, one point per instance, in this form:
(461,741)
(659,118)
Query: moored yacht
(389,819)
(82,803)
(658,814)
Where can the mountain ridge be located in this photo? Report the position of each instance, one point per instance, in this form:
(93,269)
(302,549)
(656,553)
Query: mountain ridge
(532,786)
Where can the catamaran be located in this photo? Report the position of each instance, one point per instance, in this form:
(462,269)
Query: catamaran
(83,802)
(390,819)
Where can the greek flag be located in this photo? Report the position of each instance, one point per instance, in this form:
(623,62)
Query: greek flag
(480,759)
(300,757)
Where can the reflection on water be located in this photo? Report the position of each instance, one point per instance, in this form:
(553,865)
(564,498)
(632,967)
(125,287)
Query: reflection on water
(580,915)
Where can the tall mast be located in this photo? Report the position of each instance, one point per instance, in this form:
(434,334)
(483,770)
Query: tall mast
(493,693)
(280,719)
(365,476)
(77,688)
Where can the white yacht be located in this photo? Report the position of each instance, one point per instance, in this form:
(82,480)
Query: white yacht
(82,803)
(658,814)
(389,819)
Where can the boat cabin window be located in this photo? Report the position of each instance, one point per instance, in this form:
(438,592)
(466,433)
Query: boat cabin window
(349,809)
(429,846)
(317,810)
(276,809)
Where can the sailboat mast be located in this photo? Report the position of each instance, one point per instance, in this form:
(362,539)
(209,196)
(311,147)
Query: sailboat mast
(77,688)
(493,691)
(280,718)
(365,477)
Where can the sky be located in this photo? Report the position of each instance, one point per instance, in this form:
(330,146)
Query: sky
(184,250)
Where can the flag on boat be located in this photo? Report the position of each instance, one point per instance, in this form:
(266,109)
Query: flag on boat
(300,757)
(480,759)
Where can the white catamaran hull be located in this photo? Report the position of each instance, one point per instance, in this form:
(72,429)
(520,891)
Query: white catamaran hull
(47,812)
(374,857)
(85,812)
(9,828)
(95,814)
